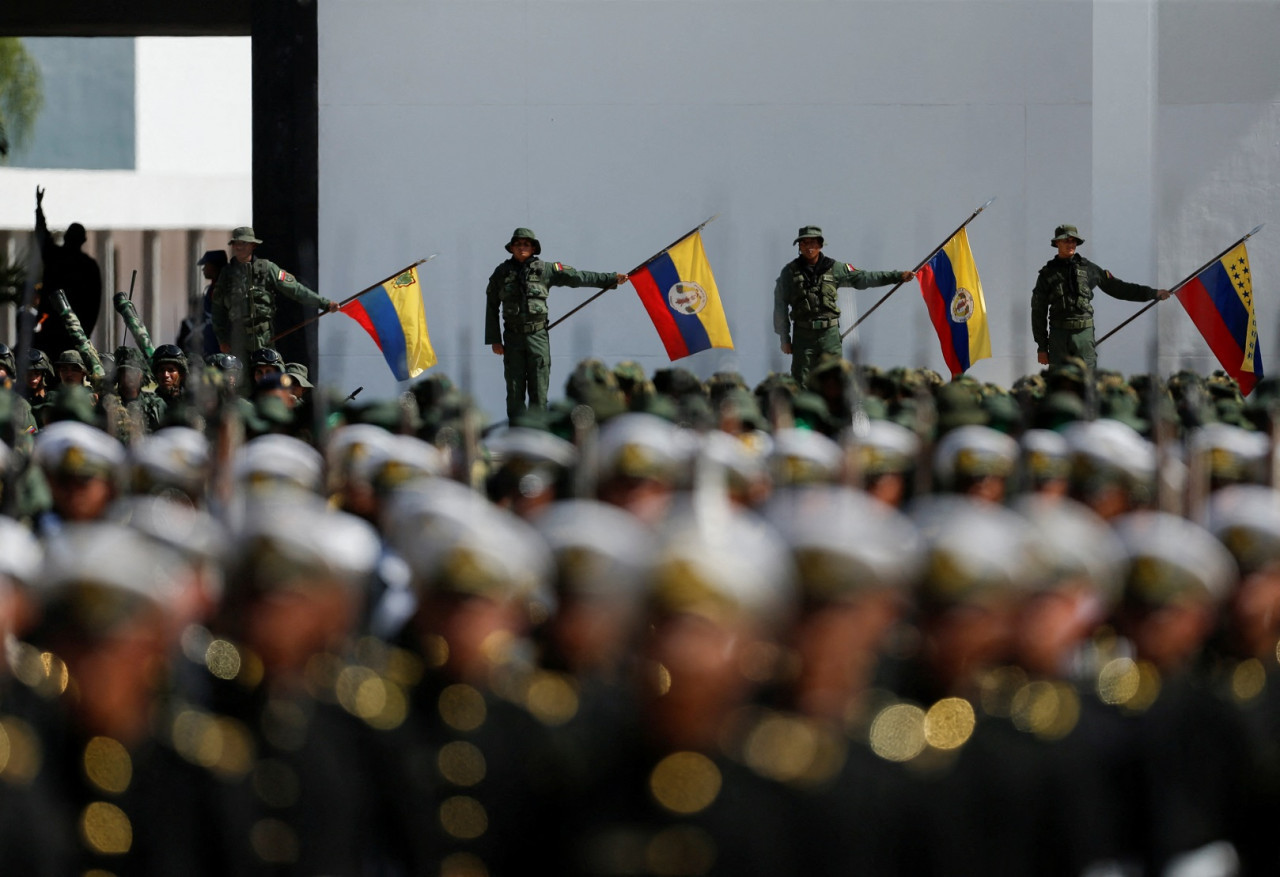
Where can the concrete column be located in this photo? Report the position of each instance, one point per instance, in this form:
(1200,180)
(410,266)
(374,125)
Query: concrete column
(106,335)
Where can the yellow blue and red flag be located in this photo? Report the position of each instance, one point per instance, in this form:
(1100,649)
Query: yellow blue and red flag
(394,316)
(679,292)
(1219,301)
(952,290)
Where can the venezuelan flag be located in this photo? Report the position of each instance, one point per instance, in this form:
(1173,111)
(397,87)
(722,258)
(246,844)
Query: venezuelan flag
(952,290)
(1219,301)
(394,317)
(679,292)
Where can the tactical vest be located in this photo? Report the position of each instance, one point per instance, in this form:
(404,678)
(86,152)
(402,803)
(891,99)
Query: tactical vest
(524,296)
(250,303)
(1071,304)
(814,298)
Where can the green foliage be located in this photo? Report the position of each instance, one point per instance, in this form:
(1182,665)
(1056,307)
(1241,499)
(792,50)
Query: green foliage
(21,95)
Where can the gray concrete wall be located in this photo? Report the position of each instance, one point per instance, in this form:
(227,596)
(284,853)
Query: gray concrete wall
(610,126)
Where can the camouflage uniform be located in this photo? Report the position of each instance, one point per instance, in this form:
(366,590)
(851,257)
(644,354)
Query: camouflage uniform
(807,296)
(519,291)
(1062,303)
(244,305)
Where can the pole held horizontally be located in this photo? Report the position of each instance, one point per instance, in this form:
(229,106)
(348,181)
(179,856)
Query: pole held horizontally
(921,264)
(349,299)
(692,231)
(1181,283)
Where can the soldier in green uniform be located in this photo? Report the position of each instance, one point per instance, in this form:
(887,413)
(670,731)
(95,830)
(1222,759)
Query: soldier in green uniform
(128,408)
(806,312)
(518,289)
(1062,301)
(244,304)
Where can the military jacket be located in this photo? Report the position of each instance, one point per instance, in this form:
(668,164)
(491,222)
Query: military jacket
(519,292)
(1063,295)
(244,301)
(807,295)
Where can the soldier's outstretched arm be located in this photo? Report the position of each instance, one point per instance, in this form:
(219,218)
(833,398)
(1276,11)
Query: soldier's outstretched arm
(1122,289)
(564,275)
(847,275)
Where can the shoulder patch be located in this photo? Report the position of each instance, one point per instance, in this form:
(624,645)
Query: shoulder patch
(1108,273)
(559,266)
(284,276)
(850,267)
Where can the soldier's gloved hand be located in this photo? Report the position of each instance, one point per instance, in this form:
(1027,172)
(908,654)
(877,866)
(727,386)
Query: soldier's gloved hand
(1162,294)
(1042,357)
(786,347)
(622,280)
(498,349)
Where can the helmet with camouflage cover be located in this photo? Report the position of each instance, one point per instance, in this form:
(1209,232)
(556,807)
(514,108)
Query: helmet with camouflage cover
(38,362)
(131,358)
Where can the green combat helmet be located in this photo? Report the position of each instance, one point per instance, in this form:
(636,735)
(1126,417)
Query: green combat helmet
(132,358)
(594,385)
(677,383)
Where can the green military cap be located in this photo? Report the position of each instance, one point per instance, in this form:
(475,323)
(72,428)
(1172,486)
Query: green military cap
(78,450)
(817,524)
(1123,405)
(1066,232)
(245,234)
(809,231)
(959,404)
(299,373)
(528,235)
(1246,519)
(72,402)
(7,362)
(629,373)
(1172,560)
(71,357)
(742,405)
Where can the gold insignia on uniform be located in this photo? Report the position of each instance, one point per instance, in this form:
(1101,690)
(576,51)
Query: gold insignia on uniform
(685,782)
(73,460)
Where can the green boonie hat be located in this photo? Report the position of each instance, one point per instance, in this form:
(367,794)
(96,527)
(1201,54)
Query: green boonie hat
(298,372)
(244,233)
(1063,232)
(527,234)
(71,357)
(809,231)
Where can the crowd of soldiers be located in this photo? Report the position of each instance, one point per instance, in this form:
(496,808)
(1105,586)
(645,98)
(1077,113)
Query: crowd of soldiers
(876,624)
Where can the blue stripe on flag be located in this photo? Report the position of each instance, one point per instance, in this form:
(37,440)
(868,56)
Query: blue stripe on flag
(691,329)
(1217,283)
(382,313)
(945,276)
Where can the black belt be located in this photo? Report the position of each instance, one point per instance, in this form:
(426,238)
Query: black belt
(526,327)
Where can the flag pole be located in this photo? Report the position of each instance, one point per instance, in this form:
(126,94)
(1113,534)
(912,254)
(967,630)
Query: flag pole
(692,231)
(921,264)
(1181,283)
(349,299)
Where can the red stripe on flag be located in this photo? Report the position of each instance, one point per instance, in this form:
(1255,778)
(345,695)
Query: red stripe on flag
(937,305)
(1208,319)
(356,311)
(655,302)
